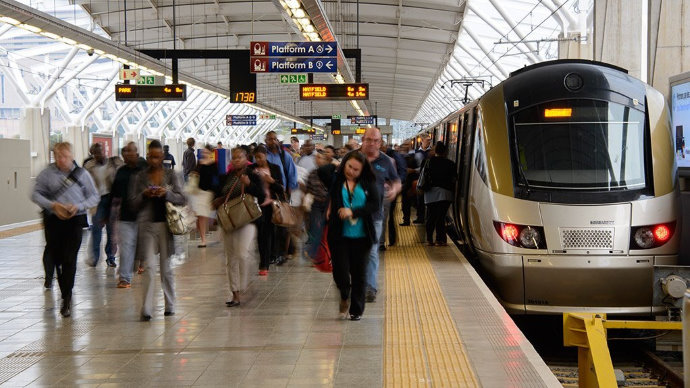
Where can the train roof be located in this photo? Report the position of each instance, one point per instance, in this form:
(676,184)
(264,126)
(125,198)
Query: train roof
(565,61)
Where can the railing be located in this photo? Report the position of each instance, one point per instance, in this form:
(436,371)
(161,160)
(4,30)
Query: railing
(587,331)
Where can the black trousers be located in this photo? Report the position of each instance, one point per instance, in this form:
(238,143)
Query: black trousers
(48,264)
(420,206)
(436,219)
(280,242)
(392,224)
(265,237)
(349,258)
(63,239)
(407,201)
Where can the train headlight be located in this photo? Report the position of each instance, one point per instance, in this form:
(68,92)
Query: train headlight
(644,238)
(530,238)
(651,236)
(522,236)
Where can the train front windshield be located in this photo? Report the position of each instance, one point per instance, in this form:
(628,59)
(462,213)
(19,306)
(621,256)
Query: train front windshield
(581,145)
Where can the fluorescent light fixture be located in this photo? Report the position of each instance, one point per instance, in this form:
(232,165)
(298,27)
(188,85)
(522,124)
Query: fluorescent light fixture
(299,13)
(304,21)
(29,27)
(293,3)
(9,20)
(314,36)
(309,28)
(50,35)
(99,52)
(283,4)
(69,41)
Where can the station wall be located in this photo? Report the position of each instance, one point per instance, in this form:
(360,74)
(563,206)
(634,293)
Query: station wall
(16,182)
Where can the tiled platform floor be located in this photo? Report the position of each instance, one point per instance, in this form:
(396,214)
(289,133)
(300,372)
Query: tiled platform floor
(285,334)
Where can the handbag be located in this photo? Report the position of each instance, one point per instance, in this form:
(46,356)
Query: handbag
(424,182)
(238,212)
(283,214)
(181,218)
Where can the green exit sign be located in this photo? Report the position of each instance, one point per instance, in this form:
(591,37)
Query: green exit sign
(293,79)
(146,80)
(337,117)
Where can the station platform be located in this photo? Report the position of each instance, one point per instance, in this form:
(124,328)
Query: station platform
(434,324)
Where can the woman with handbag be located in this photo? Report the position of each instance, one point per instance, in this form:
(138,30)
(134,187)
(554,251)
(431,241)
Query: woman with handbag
(240,242)
(354,199)
(207,171)
(151,189)
(271,181)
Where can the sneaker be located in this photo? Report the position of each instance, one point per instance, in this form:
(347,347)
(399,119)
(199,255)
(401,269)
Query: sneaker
(48,284)
(371,296)
(123,284)
(111,262)
(355,317)
(281,260)
(66,309)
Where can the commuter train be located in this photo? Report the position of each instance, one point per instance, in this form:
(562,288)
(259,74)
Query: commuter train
(566,190)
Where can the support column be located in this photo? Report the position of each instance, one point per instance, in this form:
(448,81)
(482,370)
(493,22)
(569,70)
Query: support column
(617,34)
(35,127)
(80,142)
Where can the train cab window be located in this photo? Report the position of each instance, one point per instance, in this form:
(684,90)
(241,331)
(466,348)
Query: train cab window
(479,158)
(578,146)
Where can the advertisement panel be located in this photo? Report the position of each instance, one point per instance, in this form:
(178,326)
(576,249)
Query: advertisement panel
(680,116)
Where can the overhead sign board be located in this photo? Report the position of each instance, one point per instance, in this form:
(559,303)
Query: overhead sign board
(319,136)
(171,92)
(361,120)
(240,120)
(294,49)
(302,131)
(265,116)
(150,80)
(342,92)
(129,74)
(293,79)
(336,117)
(293,65)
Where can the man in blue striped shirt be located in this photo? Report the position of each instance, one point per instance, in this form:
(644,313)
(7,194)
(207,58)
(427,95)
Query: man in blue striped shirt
(65,192)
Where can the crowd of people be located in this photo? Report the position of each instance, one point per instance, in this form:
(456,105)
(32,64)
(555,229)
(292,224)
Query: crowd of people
(341,198)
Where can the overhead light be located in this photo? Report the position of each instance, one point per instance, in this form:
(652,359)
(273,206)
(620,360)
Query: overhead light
(50,35)
(9,20)
(314,36)
(99,52)
(299,13)
(68,41)
(29,27)
(309,28)
(304,21)
(293,3)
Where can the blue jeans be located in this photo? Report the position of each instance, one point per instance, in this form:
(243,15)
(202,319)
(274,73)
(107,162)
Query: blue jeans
(97,231)
(129,231)
(317,221)
(373,266)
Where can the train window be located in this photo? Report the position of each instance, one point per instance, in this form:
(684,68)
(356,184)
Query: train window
(453,139)
(479,159)
(598,146)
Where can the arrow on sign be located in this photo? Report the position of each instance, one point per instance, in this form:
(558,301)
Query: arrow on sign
(329,49)
(329,65)
(284,78)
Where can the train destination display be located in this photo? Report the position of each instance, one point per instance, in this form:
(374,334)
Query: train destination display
(171,92)
(340,92)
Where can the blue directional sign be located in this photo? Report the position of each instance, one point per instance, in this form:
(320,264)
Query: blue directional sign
(293,65)
(361,120)
(240,120)
(294,49)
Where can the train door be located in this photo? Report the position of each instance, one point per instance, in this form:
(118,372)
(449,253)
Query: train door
(464,170)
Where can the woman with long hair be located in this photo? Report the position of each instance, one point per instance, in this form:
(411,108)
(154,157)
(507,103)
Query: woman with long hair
(152,187)
(271,182)
(239,244)
(354,199)
(207,171)
(438,196)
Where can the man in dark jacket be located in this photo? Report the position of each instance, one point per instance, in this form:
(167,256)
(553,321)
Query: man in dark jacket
(188,159)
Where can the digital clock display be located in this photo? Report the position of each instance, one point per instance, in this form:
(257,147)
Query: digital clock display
(244,97)
(341,92)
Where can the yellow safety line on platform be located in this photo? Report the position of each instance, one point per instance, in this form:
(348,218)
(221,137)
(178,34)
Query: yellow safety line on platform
(20,230)
(422,344)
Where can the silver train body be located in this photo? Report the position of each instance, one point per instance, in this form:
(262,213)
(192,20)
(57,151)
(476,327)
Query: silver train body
(567,191)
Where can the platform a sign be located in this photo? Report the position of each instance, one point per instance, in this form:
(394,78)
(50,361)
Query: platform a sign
(294,49)
(293,57)
(361,120)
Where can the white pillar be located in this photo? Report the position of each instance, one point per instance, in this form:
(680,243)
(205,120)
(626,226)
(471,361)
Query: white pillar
(35,127)
(80,142)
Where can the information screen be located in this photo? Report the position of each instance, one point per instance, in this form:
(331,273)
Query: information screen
(680,106)
(330,92)
(172,92)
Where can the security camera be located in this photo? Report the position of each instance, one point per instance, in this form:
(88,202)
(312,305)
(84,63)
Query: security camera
(90,51)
